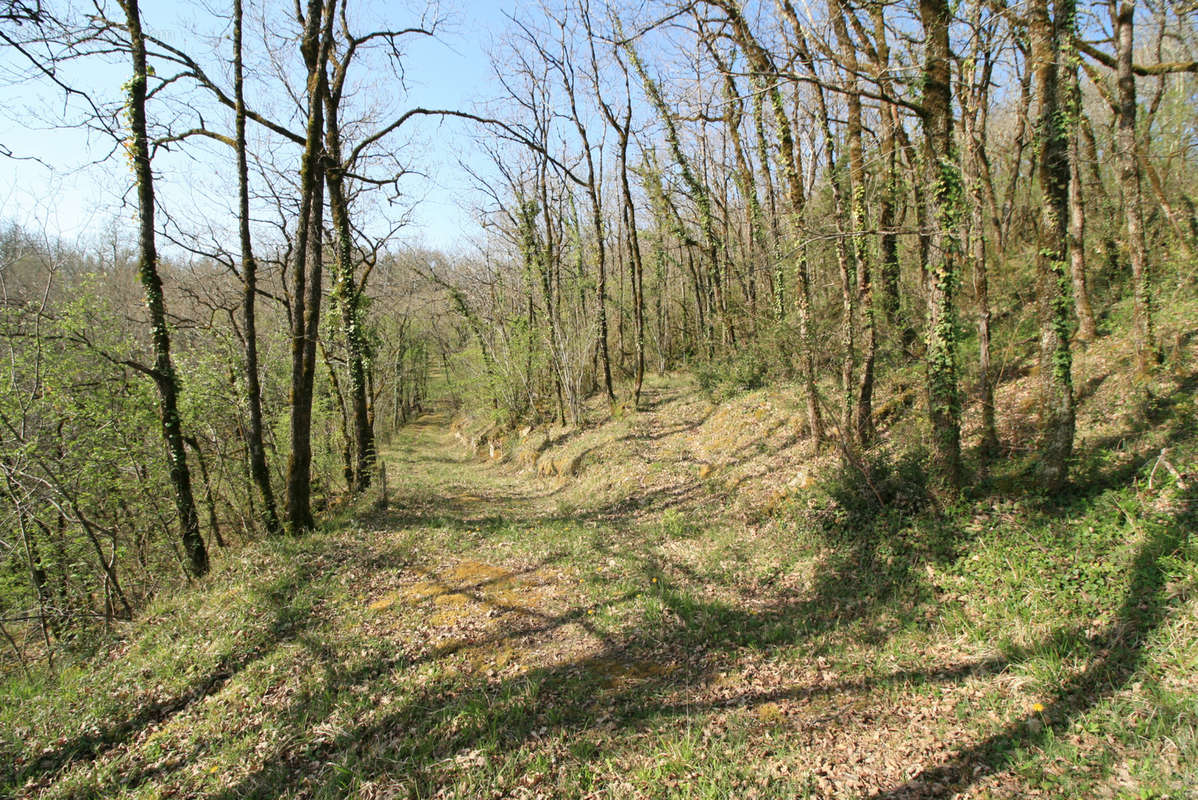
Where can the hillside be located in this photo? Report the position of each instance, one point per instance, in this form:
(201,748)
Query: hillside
(723,399)
(680,602)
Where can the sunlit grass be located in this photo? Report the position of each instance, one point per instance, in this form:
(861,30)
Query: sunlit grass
(490,635)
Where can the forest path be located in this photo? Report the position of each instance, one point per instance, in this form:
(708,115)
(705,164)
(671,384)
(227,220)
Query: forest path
(618,622)
(597,616)
(435,473)
(626,471)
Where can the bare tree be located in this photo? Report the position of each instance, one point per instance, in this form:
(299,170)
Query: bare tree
(163,371)
(249,276)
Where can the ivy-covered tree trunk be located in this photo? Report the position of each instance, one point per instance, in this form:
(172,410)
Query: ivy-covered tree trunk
(946,207)
(1087,330)
(347,296)
(163,370)
(308,273)
(713,278)
(845,259)
(756,245)
(1143,334)
(863,423)
(638,270)
(249,276)
(889,189)
(789,162)
(348,299)
(1052,140)
(770,210)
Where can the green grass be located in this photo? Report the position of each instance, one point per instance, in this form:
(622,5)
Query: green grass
(489,634)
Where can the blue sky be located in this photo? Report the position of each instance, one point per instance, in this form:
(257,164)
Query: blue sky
(80,198)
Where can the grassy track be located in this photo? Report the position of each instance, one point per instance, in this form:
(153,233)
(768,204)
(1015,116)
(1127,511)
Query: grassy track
(622,628)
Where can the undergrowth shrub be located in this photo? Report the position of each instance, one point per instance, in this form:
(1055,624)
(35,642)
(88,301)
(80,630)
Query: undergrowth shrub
(883,484)
(734,374)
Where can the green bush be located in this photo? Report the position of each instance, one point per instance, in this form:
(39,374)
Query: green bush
(734,374)
(885,488)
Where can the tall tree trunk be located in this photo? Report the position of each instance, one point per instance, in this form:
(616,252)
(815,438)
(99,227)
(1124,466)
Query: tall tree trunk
(638,272)
(975,100)
(845,261)
(163,371)
(789,161)
(308,274)
(542,253)
(863,428)
(888,193)
(1129,179)
(1086,330)
(944,397)
(1052,139)
(249,276)
(596,205)
(916,177)
(347,296)
(756,243)
(770,250)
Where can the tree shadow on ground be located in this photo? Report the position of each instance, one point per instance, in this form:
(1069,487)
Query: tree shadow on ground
(621,686)
(870,577)
(290,617)
(872,570)
(625,684)
(645,674)
(1115,654)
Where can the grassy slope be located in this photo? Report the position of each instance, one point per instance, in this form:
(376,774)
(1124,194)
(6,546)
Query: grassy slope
(675,604)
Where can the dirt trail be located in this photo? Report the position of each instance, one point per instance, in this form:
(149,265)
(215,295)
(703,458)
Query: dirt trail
(439,475)
(631,588)
(598,613)
(503,600)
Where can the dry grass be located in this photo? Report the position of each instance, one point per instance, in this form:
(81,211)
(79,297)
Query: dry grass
(684,601)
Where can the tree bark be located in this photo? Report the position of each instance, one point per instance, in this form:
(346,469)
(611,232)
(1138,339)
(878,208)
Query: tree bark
(1046,38)
(863,302)
(163,372)
(249,276)
(1129,179)
(347,296)
(1086,330)
(845,261)
(789,158)
(308,269)
(944,398)
(888,194)
(628,210)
